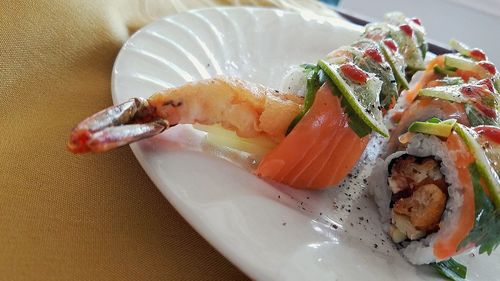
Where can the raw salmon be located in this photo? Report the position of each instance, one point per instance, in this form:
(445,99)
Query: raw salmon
(447,241)
(320,151)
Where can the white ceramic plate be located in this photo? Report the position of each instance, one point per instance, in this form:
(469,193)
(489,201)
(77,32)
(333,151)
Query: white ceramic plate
(270,232)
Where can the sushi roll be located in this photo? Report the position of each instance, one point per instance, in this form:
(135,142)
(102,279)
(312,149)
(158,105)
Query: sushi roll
(467,64)
(331,135)
(465,92)
(471,104)
(439,196)
(348,93)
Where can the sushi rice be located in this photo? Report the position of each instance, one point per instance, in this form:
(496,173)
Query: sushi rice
(419,251)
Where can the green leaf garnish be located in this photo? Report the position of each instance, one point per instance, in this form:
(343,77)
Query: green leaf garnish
(315,78)
(487,172)
(477,118)
(451,269)
(496,82)
(486,231)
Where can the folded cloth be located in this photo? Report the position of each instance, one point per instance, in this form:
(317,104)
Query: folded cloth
(85,217)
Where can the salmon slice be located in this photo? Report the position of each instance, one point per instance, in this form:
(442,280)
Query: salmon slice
(427,77)
(319,151)
(315,168)
(447,241)
(423,109)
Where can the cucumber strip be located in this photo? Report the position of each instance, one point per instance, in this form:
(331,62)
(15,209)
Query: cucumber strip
(453,61)
(442,71)
(372,117)
(398,74)
(460,47)
(408,47)
(382,70)
(450,93)
(483,164)
(315,78)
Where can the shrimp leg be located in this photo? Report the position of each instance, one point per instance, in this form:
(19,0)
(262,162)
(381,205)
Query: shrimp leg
(116,126)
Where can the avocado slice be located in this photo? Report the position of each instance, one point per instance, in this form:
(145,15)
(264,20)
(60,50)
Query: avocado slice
(433,127)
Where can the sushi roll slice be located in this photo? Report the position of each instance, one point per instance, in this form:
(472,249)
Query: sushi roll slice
(471,104)
(468,64)
(330,137)
(439,196)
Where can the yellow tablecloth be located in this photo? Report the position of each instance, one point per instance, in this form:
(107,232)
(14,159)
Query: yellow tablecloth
(86,217)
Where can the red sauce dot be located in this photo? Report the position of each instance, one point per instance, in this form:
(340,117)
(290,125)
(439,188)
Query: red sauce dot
(406,29)
(391,45)
(477,93)
(488,66)
(477,54)
(490,132)
(486,110)
(374,54)
(354,73)
(417,21)
(488,83)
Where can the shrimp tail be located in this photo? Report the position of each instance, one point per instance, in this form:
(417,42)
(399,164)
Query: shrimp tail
(116,126)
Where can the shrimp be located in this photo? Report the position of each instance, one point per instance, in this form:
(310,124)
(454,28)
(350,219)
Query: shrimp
(250,110)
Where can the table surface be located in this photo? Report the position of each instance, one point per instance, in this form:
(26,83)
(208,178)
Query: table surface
(95,216)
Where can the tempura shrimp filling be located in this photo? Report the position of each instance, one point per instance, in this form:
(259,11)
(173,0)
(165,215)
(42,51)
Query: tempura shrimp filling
(419,194)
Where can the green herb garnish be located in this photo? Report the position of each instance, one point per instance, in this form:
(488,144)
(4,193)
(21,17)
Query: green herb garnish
(315,78)
(496,82)
(486,231)
(477,118)
(451,269)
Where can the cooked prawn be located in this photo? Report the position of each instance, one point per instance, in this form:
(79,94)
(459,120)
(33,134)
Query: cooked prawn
(250,110)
